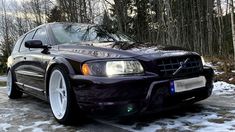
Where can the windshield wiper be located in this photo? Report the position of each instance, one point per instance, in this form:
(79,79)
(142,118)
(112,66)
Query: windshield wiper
(125,45)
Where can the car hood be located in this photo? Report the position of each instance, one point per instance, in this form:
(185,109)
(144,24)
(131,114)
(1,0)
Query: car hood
(106,50)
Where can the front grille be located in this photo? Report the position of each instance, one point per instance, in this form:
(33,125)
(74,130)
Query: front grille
(167,66)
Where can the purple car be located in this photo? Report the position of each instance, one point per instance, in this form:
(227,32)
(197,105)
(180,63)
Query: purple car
(83,69)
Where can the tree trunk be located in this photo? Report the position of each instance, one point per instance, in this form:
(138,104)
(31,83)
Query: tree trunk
(210,25)
(233,26)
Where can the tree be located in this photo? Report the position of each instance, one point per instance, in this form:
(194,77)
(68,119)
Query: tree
(6,43)
(55,15)
(199,25)
(233,26)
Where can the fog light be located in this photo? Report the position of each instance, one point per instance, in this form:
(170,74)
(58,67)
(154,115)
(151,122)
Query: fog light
(129,108)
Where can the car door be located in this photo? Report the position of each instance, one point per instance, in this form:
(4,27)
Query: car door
(17,58)
(32,69)
(19,61)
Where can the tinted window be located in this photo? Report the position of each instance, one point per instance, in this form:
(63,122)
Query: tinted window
(41,35)
(29,36)
(17,45)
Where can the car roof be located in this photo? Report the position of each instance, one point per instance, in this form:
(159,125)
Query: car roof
(53,23)
(88,24)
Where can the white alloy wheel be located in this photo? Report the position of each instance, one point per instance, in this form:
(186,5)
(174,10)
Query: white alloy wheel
(9,83)
(58,94)
(12,90)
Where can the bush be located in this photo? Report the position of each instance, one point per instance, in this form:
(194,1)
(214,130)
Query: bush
(225,65)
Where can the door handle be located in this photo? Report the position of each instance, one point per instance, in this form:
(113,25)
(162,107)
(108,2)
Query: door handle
(24,58)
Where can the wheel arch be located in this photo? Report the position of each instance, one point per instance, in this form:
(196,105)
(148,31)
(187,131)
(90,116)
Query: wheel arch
(8,69)
(57,62)
(12,72)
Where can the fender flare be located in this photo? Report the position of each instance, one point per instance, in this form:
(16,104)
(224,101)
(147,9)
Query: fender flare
(54,62)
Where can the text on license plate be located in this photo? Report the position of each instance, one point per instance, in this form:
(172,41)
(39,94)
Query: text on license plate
(189,84)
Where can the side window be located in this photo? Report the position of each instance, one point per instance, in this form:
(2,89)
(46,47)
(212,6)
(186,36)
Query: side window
(17,45)
(41,35)
(29,36)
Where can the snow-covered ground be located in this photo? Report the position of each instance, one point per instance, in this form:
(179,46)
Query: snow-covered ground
(208,119)
(3,78)
(220,87)
(214,67)
(223,88)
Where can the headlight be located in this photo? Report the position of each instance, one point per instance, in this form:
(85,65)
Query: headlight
(123,67)
(112,68)
(203,61)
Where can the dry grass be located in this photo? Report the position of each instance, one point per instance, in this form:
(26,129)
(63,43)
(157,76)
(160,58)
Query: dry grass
(223,64)
(2,84)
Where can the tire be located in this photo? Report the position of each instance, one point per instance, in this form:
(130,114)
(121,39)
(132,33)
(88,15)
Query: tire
(12,91)
(61,97)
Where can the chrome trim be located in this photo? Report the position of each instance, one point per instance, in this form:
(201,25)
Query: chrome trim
(182,65)
(148,97)
(31,87)
(27,73)
(152,86)
(34,88)
(18,83)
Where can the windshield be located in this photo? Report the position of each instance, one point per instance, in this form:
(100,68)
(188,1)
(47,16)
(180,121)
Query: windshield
(75,33)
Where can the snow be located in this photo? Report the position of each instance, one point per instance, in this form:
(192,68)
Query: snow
(209,64)
(223,88)
(37,130)
(35,127)
(3,78)
(199,122)
(4,126)
(5,115)
(216,127)
(232,111)
(218,72)
(231,79)
(145,50)
(220,87)
(214,67)
(56,126)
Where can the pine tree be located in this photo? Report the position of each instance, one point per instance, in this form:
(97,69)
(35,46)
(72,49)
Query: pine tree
(55,15)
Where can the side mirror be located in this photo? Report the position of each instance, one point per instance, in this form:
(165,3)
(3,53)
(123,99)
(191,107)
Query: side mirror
(34,44)
(37,44)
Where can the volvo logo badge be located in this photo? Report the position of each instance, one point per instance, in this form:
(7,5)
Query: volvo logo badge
(182,66)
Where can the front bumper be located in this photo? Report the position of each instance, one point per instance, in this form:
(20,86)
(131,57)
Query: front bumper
(122,96)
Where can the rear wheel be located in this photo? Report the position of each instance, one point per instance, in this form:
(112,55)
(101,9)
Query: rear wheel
(12,91)
(61,96)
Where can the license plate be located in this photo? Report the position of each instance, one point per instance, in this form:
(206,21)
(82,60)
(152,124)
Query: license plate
(189,84)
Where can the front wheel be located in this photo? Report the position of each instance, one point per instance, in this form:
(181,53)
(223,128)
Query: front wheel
(61,97)
(12,91)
